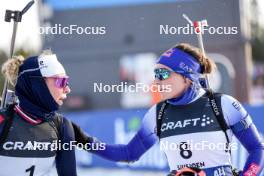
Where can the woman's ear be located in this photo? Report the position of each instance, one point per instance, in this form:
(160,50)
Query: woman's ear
(187,81)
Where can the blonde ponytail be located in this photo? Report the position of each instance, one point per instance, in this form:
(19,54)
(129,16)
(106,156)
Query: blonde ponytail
(10,68)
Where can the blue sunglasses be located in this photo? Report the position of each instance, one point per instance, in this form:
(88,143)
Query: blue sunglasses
(162,73)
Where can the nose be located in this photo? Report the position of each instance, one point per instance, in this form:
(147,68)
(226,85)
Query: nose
(67,89)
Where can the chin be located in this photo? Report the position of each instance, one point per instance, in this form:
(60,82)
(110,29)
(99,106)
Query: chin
(60,103)
(165,96)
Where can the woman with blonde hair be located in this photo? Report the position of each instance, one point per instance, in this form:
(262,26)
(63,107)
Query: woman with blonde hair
(31,129)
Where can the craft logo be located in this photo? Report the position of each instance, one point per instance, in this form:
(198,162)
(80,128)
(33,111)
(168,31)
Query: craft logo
(203,122)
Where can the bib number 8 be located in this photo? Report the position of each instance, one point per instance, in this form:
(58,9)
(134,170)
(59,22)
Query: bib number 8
(184,151)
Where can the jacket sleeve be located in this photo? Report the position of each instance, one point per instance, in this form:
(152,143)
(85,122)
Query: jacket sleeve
(253,143)
(138,145)
(246,132)
(65,159)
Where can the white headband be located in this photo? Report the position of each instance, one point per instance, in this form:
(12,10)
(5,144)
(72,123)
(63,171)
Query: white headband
(50,66)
